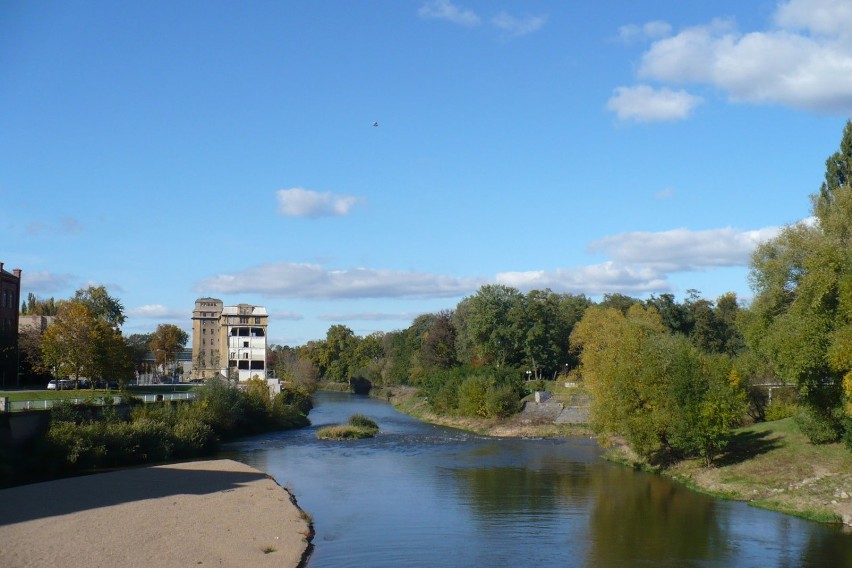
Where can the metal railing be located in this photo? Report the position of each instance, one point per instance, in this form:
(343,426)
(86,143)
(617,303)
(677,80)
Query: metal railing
(19,405)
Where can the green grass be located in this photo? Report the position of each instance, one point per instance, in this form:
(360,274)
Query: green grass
(772,465)
(359,427)
(344,432)
(16,395)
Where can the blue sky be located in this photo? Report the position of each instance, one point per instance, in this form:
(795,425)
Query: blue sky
(174,150)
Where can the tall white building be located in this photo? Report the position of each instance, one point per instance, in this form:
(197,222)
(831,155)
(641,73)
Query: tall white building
(229,341)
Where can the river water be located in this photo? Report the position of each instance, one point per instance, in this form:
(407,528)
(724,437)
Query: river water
(423,495)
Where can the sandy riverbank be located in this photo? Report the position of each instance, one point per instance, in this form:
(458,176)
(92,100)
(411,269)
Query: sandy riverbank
(205,513)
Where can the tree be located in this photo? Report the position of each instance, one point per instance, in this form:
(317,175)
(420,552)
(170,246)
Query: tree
(167,343)
(493,340)
(138,344)
(35,306)
(625,392)
(655,388)
(438,343)
(801,317)
(69,343)
(102,305)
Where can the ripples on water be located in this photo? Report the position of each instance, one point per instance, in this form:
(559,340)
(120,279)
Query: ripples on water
(423,495)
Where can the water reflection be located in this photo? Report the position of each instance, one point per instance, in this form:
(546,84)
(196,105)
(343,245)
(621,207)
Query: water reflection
(420,495)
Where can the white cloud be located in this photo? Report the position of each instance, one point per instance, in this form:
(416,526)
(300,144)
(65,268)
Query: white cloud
(604,278)
(518,26)
(802,60)
(645,104)
(300,202)
(315,282)
(650,30)
(680,250)
(157,311)
(369,316)
(446,10)
(820,17)
(44,282)
(638,263)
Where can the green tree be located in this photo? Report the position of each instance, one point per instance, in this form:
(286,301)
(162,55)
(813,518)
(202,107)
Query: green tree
(167,342)
(801,317)
(35,306)
(493,339)
(655,388)
(69,344)
(623,380)
(102,305)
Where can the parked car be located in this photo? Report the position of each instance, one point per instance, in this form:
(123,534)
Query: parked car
(61,384)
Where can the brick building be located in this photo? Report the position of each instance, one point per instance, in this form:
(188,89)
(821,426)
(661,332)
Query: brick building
(228,341)
(10,306)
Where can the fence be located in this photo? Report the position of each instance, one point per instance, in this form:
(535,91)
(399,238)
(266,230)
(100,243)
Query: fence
(20,405)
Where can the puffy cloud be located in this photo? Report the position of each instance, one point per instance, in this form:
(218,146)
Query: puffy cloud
(315,282)
(518,26)
(604,278)
(300,202)
(820,17)
(645,104)
(804,61)
(638,263)
(680,250)
(446,10)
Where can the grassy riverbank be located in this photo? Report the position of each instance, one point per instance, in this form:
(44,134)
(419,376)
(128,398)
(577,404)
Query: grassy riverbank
(770,465)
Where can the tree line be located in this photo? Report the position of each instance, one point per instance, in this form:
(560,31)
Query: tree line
(672,377)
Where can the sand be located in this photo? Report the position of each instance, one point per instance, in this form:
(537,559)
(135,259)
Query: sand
(204,513)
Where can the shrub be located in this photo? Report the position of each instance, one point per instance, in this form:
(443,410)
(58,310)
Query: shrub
(361,421)
(501,401)
(472,396)
(192,437)
(819,425)
(153,438)
(780,409)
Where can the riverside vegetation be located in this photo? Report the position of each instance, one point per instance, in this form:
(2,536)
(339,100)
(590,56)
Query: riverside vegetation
(84,438)
(358,427)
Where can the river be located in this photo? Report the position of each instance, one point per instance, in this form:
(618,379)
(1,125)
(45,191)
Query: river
(424,495)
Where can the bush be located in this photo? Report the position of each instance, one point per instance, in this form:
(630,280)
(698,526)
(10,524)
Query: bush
(192,437)
(472,396)
(501,401)
(361,421)
(780,409)
(818,425)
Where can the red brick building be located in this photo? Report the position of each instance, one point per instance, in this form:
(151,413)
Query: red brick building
(10,306)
